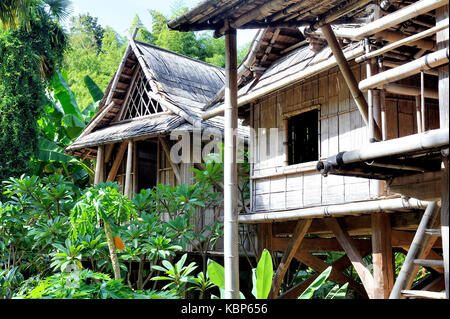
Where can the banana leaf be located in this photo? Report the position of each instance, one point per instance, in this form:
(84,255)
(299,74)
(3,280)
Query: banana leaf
(94,90)
(64,95)
(50,151)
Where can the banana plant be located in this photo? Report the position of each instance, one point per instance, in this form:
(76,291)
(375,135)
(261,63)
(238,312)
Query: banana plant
(62,122)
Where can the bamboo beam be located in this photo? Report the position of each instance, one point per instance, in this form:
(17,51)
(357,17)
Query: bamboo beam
(401,42)
(334,15)
(383,265)
(297,237)
(408,90)
(348,75)
(353,254)
(426,62)
(128,171)
(175,168)
(231,234)
(99,166)
(116,164)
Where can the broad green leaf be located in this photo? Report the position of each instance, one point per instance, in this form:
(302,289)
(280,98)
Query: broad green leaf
(316,284)
(264,274)
(94,90)
(216,274)
(65,96)
(50,151)
(338,293)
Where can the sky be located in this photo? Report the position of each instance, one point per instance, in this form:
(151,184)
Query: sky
(119,14)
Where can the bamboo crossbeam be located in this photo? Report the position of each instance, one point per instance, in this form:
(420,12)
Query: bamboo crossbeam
(402,42)
(349,209)
(426,62)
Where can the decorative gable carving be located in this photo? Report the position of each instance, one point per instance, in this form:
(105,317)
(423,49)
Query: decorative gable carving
(139,102)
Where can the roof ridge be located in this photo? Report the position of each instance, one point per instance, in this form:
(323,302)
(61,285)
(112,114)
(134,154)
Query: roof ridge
(179,54)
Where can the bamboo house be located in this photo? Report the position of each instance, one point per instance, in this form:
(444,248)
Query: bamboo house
(154,94)
(348,106)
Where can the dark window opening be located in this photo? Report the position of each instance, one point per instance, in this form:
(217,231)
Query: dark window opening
(146,165)
(303,137)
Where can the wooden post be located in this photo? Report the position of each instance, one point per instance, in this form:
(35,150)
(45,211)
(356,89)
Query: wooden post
(297,236)
(115,166)
(99,166)
(128,178)
(231,251)
(382,261)
(353,254)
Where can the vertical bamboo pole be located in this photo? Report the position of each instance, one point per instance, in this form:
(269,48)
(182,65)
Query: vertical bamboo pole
(99,166)
(370,98)
(422,100)
(419,114)
(128,178)
(286,141)
(231,252)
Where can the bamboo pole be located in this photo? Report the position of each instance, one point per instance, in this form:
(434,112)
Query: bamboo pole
(413,10)
(129,168)
(349,77)
(231,250)
(422,102)
(401,42)
(407,90)
(428,61)
(406,273)
(99,166)
(308,72)
(402,145)
(370,96)
(350,209)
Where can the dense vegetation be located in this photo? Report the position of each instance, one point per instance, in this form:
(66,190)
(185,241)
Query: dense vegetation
(51,81)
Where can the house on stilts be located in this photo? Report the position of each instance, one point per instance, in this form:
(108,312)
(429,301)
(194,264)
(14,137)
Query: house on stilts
(347,102)
(154,102)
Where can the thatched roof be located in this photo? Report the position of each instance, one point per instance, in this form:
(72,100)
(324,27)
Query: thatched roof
(286,68)
(182,86)
(244,14)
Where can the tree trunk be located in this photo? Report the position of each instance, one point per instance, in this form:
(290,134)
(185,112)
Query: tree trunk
(112,251)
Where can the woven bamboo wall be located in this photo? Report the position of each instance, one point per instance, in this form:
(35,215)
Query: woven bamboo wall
(278,187)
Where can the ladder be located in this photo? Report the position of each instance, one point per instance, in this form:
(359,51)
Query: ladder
(423,235)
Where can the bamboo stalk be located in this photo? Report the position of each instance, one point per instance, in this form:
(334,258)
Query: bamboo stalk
(231,251)
(417,244)
(128,178)
(428,61)
(401,42)
(350,209)
(99,166)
